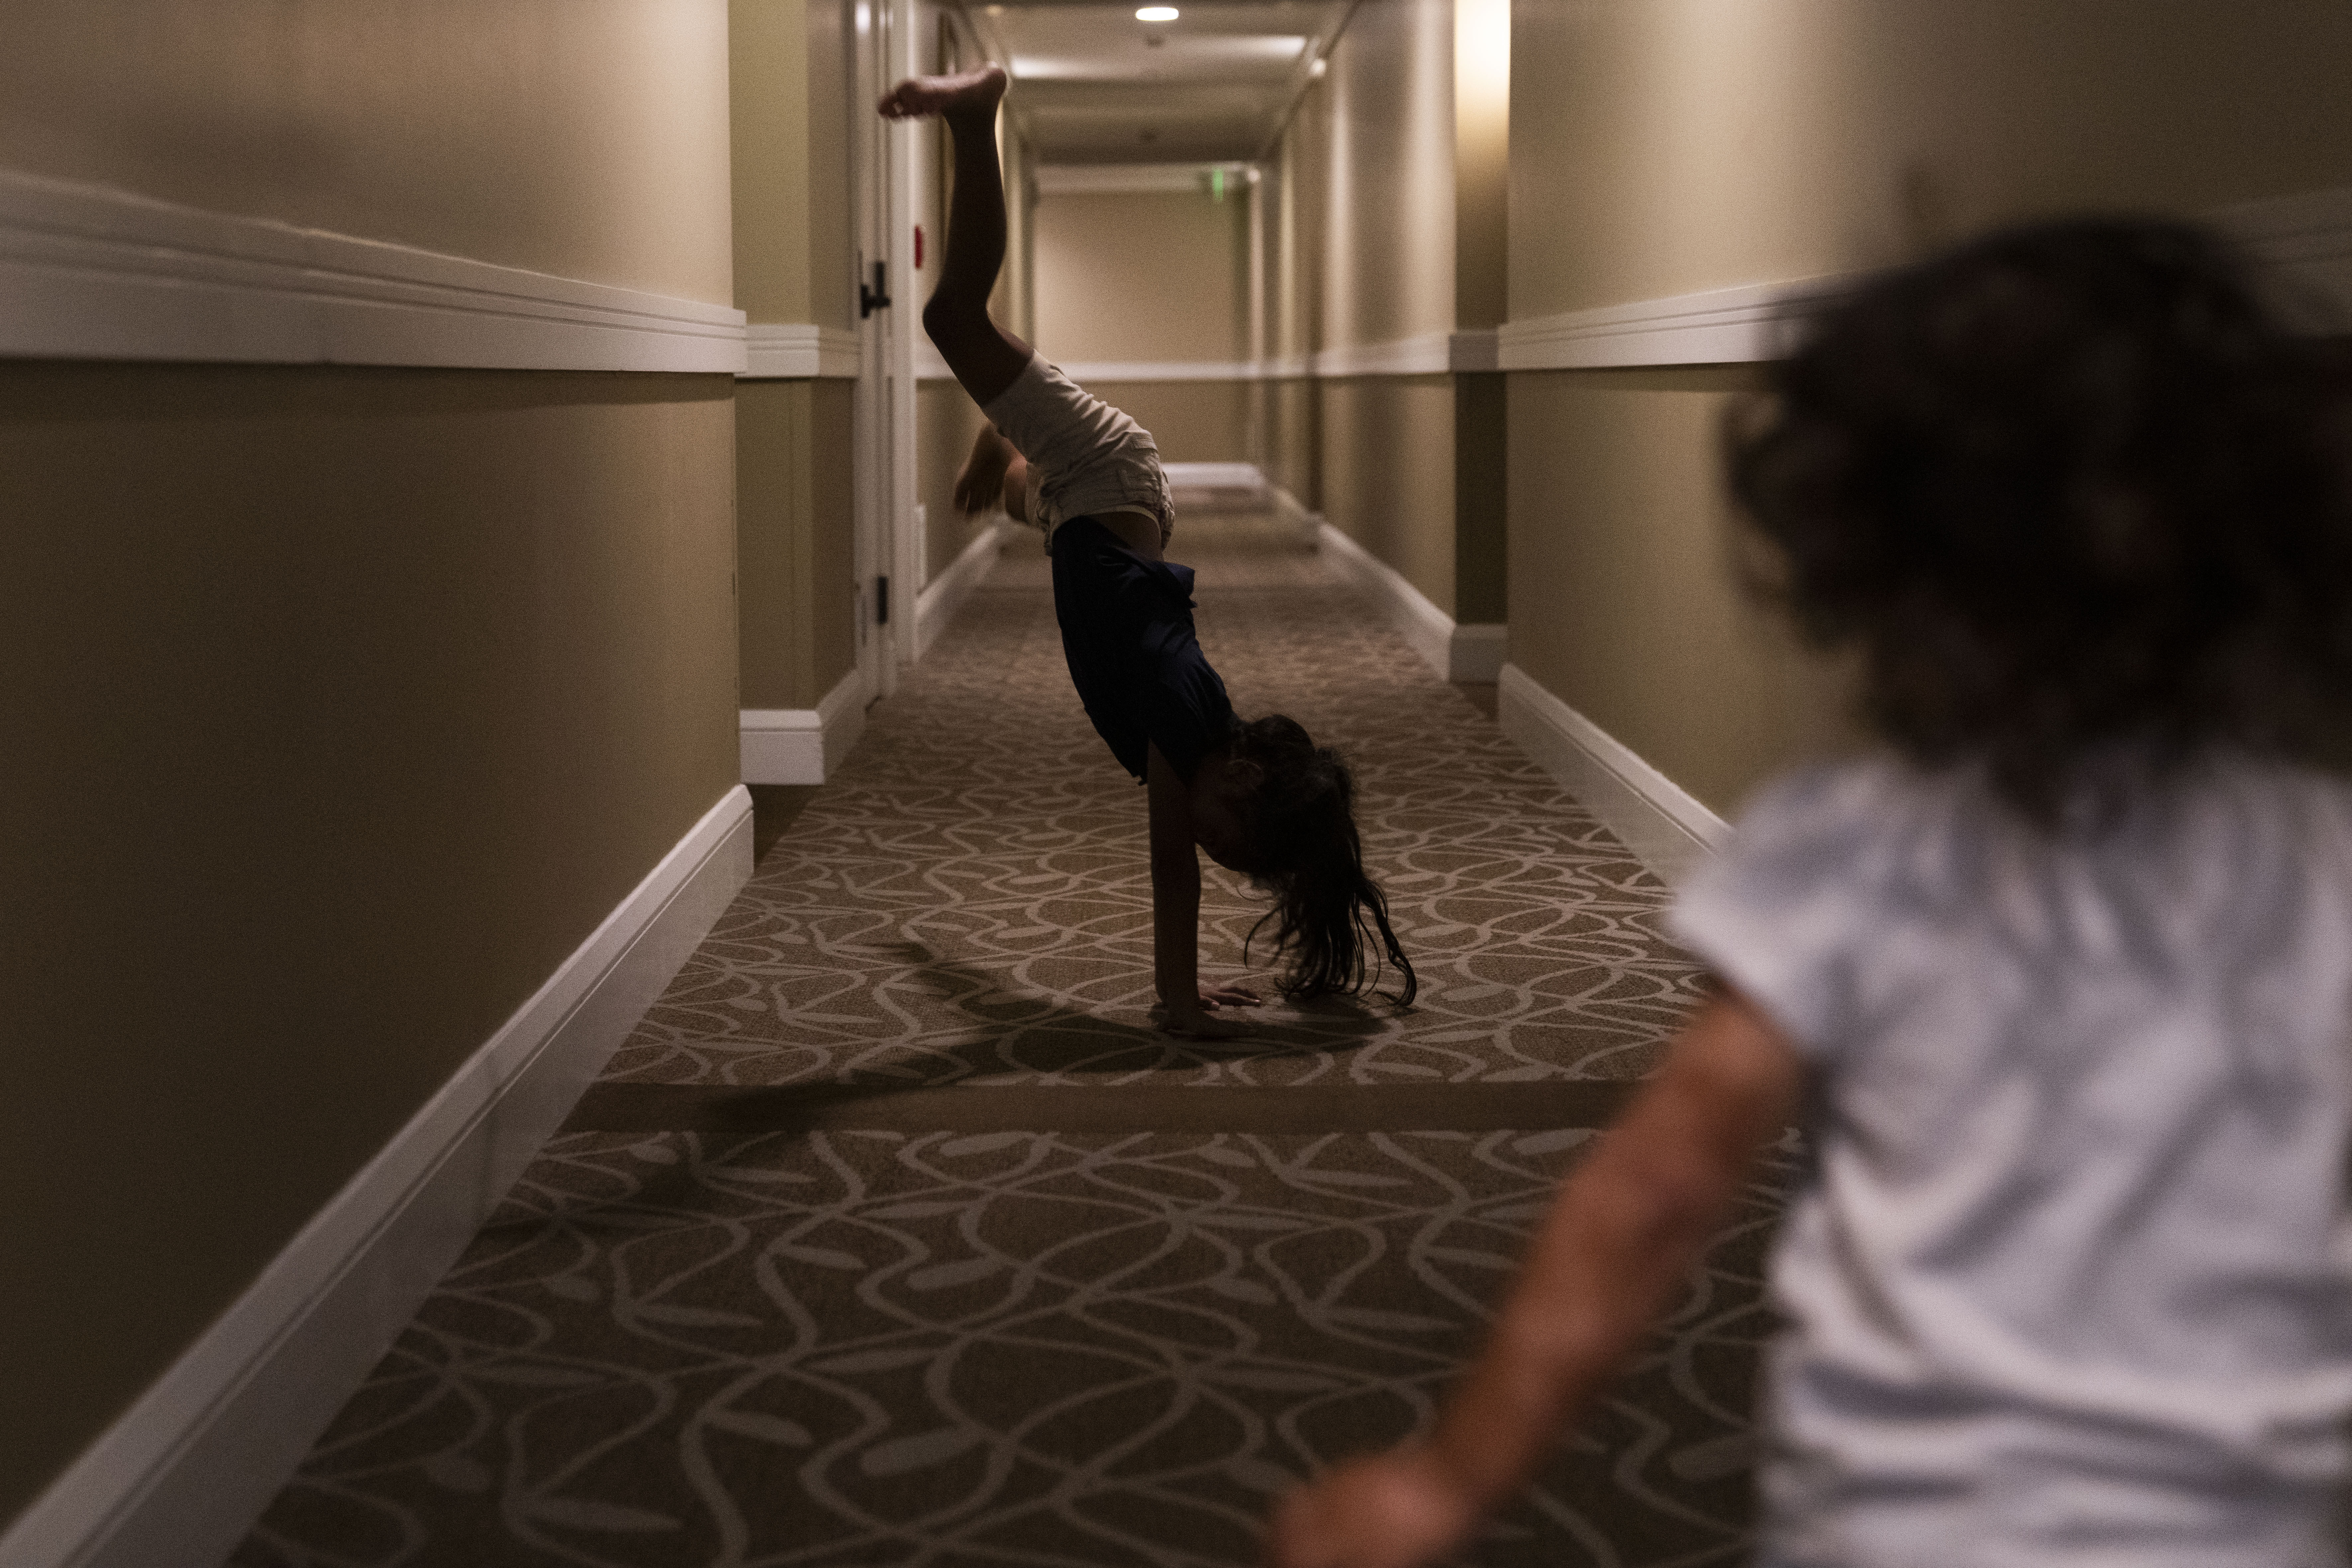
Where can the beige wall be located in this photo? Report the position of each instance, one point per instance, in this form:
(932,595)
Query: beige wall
(1292,452)
(1389,212)
(341,706)
(832,210)
(1482,160)
(1481,499)
(1661,146)
(793,263)
(1619,595)
(795,567)
(768,68)
(1388,474)
(946,420)
(1191,421)
(1370,205)
(572,137)
(1154,275)
(794,246)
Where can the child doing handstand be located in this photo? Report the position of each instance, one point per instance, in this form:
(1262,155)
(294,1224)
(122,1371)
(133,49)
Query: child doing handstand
(1260,797)
(2060,976)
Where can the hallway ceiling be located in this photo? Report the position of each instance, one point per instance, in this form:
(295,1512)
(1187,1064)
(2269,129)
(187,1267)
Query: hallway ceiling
(1094,85)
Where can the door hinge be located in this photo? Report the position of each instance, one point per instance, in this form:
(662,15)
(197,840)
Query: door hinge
(877,298)
(881,601)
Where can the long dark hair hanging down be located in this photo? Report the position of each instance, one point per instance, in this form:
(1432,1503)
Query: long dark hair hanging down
(1307,854)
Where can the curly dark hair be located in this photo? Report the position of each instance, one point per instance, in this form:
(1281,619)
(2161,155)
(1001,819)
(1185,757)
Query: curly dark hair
(1303,849)
(2070,488)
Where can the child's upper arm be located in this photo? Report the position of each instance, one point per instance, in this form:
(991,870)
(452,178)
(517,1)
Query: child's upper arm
(1729,1084)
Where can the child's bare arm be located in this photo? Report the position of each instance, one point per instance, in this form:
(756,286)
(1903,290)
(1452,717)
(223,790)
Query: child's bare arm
(1619,1240)
(1176,905)
(993,473)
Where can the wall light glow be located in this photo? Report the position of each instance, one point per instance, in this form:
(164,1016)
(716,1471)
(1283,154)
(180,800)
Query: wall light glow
(1482,47)
(1156,14)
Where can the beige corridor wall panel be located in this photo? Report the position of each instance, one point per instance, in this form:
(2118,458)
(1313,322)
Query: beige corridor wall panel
(1481,499)
(832,220)
(833,541)
(773,169)
(1481,162)
(1289,445)
(1145,275)
(1293,458)
(1191,421)
(1665,146)
(582,138)
(342,706)
(946,420)
(796,538)
(1388,186)
(1661,147)
(1622,598)
(1388,474)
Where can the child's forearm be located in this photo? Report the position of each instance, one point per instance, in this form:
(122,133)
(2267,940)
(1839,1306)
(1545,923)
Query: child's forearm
(1175,894)
(1176,931)
(1618,1243)
(1619,1240)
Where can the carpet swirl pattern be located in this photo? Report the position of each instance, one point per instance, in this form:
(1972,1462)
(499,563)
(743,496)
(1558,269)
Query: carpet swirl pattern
(895,1233)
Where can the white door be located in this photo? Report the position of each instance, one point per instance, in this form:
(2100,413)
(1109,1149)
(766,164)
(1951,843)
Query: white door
(886,579)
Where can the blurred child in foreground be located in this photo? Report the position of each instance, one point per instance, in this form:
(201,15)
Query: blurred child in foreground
(2057,980)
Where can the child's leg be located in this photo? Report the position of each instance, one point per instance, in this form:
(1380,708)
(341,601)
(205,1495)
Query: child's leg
(986,357)
(1093,461)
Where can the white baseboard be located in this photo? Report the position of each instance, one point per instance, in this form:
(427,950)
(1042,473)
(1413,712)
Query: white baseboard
(178,1480)
(1431,353)
(1660,822)
(1294,511)
(944,595)
(89,272)
(1479,652)
(803,745)
(1471,653)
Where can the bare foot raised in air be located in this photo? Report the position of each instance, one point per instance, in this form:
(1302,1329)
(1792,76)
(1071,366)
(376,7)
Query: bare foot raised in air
(966,92)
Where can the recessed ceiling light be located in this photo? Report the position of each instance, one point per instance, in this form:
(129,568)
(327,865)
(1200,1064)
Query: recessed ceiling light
(1156,14)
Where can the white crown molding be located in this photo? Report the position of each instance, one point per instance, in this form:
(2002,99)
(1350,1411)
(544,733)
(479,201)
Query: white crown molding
(797,351)
(1666,828)
(803,745)
(88,272)
(1717,326)
(1430,353)
(180,1477)
(1084,372)
(2306,237)
(1125,179)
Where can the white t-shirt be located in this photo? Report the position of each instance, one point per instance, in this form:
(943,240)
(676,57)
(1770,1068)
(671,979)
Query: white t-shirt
(2069,1279)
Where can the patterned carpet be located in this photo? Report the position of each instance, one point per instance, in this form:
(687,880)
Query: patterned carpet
(897,1235)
